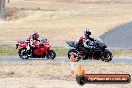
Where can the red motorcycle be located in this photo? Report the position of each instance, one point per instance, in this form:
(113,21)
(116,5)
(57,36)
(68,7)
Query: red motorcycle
(42,49)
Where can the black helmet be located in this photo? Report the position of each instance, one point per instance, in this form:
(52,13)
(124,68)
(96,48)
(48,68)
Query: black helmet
(87,32)
(35,35)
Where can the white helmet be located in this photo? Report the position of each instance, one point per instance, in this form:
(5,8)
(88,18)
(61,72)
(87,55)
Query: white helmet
(87,32)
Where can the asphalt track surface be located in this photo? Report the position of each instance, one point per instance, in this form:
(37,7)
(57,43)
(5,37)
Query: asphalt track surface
(58,59)
(119,38)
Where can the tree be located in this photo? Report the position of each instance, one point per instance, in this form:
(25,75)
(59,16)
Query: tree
(2,8)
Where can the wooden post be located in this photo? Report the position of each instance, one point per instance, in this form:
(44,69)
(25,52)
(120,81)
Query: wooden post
(2,9)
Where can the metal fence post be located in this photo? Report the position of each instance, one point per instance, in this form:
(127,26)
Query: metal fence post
(2,9)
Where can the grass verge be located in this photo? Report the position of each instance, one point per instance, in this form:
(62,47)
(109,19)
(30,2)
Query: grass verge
(60,52)
(12,51)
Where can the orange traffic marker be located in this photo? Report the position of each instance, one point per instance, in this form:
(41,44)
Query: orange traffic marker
(72,58)
(72,63)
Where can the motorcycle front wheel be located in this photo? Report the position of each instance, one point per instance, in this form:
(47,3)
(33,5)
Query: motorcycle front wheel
(50,54)
(23,53)
(107,56)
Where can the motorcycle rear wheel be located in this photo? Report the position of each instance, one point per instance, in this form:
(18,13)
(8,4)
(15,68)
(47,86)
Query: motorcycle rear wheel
(23,53)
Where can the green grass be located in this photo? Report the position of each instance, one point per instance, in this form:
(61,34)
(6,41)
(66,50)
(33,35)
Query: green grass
(8,51)
(60,52)
(12,51)
(125,53)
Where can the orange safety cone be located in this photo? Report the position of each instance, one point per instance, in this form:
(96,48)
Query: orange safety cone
(72,58)
(72,63)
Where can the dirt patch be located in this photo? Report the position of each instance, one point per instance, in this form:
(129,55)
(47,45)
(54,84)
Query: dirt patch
(67,19)
(14,13)
(38,74)
(59,70)
(41,83)
(85,1)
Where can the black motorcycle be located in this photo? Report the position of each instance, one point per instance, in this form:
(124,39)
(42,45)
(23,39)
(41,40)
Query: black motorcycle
(96,50)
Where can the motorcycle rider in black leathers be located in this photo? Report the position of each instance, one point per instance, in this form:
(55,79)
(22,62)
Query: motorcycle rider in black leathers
(83,41)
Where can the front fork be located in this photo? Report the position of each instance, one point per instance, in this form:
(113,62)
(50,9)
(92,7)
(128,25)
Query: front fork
(16,46)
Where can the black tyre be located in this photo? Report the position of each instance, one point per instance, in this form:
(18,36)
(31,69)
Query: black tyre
(50,54)
(23,53)
(107,56)
(71,51)
(81,80)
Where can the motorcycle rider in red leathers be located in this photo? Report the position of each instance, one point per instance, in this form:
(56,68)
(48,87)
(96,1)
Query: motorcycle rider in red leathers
(31,39)
(82,43)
